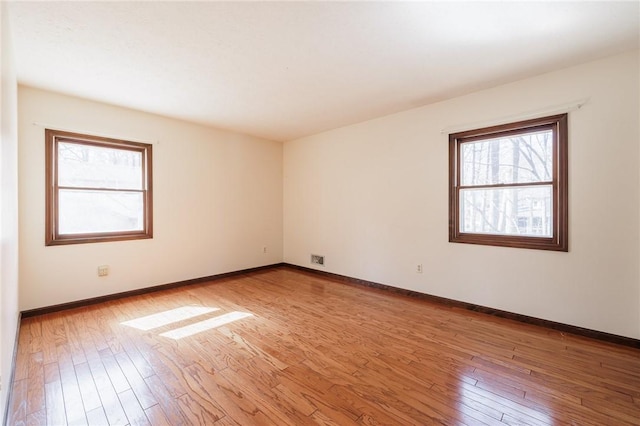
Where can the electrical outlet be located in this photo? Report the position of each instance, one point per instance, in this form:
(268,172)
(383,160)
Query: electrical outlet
(419,268)
(264,249)
(103,270)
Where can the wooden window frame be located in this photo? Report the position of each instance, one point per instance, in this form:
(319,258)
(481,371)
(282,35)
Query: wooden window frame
(559,241)
(52,235)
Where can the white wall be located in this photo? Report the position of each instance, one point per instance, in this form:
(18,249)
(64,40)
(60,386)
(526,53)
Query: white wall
(373,198)
(217,202)
(8,210)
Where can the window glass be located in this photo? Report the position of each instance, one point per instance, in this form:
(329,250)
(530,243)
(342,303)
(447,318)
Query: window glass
(85,212)
(98,167)
(507,211)
(519,158)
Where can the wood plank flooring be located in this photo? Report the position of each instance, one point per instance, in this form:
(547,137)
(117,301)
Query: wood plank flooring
(285,347)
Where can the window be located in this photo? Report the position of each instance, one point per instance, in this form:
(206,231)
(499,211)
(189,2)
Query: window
(508,185)
(97,189)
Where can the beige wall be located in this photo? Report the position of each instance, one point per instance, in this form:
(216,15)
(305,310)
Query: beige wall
(217,202)
(8,210)
(373,198)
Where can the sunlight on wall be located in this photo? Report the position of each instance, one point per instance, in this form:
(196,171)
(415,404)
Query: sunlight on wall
(168,317)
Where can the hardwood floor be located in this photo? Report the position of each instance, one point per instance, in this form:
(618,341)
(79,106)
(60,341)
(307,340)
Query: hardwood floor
(284,347)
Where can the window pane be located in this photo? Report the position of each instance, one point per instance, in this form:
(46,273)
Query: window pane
(522,158)
(98,167)
(99,211)
(525,211)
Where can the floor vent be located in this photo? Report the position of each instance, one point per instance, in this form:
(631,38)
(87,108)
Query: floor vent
(317,259)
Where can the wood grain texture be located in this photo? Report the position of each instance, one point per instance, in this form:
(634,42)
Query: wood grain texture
(313,351)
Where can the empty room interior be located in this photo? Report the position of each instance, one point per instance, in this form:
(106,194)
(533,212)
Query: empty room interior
(335,213)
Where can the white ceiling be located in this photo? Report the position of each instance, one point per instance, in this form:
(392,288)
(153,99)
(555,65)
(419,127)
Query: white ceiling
(282,70)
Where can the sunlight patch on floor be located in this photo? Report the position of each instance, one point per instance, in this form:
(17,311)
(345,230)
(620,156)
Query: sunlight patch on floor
(205,325)
(471,398)
(168,317)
